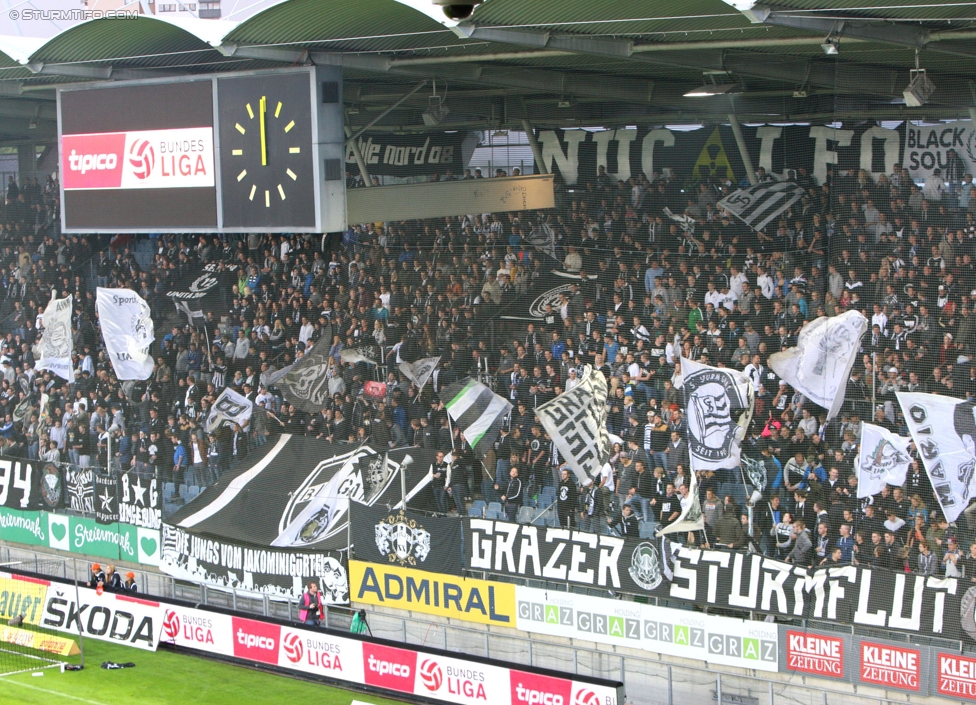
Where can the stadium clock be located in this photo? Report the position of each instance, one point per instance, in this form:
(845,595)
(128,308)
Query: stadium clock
(266,151)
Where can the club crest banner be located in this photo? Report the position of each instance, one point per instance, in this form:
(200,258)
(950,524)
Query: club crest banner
(230,408)
(820,364)
(882,459)
(407,539)
(719,404)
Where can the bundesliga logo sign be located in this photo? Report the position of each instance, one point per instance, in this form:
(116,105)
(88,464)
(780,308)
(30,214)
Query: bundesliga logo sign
(182,158)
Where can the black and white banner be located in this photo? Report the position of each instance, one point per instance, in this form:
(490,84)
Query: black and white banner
(419,372)
(577,423)
(867,597)
(820,364)
(407,539)
(56,340)
(233,565)
(106,499)
(127,328)
(20,484)
(759,206)
(561,555)
(230,408)
(367,352)
(203,290)
(294,494)
(718,405)
(139,501)
(882,459)
(944,431)
(306,384)
(927,149)
(410,155)
(79,485)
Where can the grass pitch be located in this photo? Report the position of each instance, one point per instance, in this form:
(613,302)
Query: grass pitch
(167,678)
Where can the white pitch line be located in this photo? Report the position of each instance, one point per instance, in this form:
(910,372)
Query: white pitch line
(51,692)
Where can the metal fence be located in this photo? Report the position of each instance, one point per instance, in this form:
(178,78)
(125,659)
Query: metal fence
(648,678)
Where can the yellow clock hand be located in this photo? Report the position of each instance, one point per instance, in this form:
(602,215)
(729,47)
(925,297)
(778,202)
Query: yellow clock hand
(262,109)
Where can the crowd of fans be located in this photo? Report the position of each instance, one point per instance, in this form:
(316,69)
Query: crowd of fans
(646,289)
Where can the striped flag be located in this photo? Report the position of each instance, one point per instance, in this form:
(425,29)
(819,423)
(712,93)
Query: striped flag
(760,205)
(477,411)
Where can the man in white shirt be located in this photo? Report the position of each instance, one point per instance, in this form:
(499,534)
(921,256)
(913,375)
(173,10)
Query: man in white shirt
(606,477)
(736,281)
(934,187)
(765,283)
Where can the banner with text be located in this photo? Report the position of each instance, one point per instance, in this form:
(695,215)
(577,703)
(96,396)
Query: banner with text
(407,539)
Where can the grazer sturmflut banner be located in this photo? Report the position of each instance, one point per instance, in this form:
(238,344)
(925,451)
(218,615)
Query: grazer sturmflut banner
(293,496)
(726,580)
(127,327)
(407,539)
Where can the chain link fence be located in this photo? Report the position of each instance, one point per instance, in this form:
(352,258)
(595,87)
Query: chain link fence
(648,679)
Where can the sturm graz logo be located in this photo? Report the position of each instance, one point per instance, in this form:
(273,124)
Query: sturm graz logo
(402,540)
(883,458)
(318,509)
(537,309)
(51,485)
(645,566)
(712,398)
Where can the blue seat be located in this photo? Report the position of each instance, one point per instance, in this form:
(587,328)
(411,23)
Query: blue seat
(479,506)
(496,514)
(169,489)
(183,490)
(525,515)
(547,496)
(191,493)
(495,508)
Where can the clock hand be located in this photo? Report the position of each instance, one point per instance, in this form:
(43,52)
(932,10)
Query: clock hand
(262,109)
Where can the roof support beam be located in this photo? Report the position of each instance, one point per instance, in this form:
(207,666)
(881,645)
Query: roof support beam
(98,73)
(888,33)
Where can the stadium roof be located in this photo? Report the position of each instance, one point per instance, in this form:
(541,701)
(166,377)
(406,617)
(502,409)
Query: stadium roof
(549,62)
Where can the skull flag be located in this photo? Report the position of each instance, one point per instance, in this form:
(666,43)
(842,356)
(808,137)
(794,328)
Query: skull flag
(718,406)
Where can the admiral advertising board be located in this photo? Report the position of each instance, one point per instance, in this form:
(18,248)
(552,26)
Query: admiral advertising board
(428,675)
(228,152)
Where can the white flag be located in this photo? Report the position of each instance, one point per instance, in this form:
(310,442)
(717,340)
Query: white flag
(718,405)
(230,408)
(55,345)
(127,328)
(758,206)
(944,431)
(882,459)
(691,518)
(420,371)
(577,423)
(821,363)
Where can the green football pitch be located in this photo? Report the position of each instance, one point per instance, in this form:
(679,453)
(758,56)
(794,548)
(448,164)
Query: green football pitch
(166,677)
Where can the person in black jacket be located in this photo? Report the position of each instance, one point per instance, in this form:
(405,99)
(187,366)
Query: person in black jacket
(567,498)
(512,496)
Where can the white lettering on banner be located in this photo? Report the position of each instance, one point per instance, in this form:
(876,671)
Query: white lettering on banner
(890,665)
(956,675)
(576,422)
(537,697)
(927,149)
(386,667)
(659,630)
(494,549)
(911,604)
(88,162)
(253,640)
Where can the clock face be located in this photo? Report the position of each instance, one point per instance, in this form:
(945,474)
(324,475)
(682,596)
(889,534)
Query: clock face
(266,151)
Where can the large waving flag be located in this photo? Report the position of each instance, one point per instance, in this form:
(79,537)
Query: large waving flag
(718,404)
(55,344)
(477,411)
(882,459)
(576,421)
(128,331)
(944,431)
(820,364)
